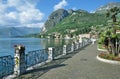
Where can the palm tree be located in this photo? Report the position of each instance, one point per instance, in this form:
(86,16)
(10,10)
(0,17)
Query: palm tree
(113,37)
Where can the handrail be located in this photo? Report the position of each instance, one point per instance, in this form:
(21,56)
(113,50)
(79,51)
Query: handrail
(35,57)
(6,65)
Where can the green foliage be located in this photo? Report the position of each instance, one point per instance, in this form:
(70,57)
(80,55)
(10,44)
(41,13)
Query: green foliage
(80,21)
(104,36)
(113,35)
(101,40)
(118,35)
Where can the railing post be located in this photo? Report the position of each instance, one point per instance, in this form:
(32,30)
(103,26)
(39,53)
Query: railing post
(77,45)
(64,50)
(87,42)
(72,47)
(20,66)
(50,54)
(83,43)
(80,39)
(90,41)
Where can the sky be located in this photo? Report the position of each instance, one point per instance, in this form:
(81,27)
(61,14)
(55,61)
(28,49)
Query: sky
(34,13)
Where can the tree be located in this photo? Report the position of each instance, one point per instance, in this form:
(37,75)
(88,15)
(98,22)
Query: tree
(113,39)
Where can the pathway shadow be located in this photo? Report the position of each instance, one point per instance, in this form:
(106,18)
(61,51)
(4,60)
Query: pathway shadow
(34,74)
(46,68)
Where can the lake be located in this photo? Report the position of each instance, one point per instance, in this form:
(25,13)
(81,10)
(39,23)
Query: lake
(7,44)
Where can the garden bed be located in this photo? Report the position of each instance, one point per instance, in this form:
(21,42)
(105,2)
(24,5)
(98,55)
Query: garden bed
(109,56)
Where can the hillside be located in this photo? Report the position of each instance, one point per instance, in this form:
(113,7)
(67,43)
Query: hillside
(55,18)
(17,31)
(79,20)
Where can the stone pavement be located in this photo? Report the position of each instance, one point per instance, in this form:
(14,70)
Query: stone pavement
(83,65)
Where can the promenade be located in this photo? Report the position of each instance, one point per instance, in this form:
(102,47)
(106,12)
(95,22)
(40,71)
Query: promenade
(82,65)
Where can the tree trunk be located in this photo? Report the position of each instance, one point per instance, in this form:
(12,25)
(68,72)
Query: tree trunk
(114,32)
(118,50)
(109,48)
(113,49)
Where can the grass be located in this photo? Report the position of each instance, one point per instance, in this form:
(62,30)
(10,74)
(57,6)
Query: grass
(100,46)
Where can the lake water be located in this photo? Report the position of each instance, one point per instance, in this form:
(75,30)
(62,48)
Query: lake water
(7,44)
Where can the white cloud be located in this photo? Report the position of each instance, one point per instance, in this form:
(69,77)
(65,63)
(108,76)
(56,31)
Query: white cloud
(92,11)
(74,8)
(11,15)
(35,25)
(60,5)
(19,12)
(13,2)
(30,15)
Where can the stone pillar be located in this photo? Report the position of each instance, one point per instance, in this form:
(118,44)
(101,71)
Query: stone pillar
(64,50)
(50,54)
(83,43)
(77,45)
(93,41)
(87,42)
(80,39)
(72,47)
(20,66)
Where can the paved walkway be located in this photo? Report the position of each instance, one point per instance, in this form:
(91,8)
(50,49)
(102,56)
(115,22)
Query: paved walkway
(83,65)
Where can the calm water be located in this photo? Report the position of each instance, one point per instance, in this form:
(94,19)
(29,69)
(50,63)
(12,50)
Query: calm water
(7,44)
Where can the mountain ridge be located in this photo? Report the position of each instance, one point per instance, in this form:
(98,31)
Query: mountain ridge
(57,16)
(17,31)
(54,18)
(78,21)
(108,6)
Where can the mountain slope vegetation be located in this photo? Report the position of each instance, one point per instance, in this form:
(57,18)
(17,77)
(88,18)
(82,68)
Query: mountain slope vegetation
(79,20)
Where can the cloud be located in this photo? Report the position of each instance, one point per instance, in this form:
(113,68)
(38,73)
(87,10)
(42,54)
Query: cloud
(60,5)
(74,8)
(19,13)
(92,11)
(31,15)
(35,25)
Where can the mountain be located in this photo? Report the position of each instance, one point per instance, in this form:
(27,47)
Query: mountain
(55,18)
(104,8)
(64,21)
(17,31)
(79,19)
